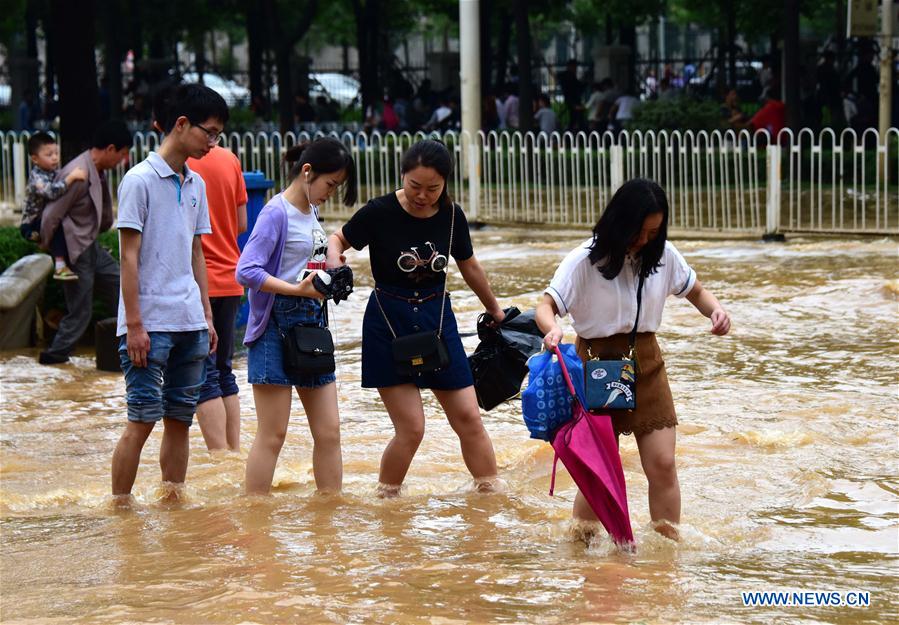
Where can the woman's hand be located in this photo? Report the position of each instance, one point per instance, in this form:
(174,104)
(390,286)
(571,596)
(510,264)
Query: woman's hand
(305,288)
(496,316)
(552,338)
(334,263)
(337,245)
(720,321)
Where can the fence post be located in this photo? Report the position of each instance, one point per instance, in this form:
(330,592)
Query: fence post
(474,179)
(616,164)
(18,168)
(772,209)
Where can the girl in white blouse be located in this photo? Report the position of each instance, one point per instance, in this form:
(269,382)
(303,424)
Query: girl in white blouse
(597,285)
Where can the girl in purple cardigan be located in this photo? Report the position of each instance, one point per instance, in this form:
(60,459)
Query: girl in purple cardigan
(286,240)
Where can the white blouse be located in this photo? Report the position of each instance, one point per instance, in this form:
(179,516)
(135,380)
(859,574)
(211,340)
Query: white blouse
(601,307)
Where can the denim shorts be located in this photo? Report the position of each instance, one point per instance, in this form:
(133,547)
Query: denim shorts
(169,386)
(220,381)
(265,357)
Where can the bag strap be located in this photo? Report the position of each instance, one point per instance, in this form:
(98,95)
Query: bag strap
(565,372)
(552,480)
(632,340)
(324,319)
(443,299)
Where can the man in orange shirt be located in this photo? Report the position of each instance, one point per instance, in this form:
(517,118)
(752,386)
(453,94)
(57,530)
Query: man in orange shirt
(218,411)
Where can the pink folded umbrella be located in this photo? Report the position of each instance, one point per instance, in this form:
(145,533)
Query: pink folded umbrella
(588,448)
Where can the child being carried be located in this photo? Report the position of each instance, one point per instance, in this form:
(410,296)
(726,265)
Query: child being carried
(42,188)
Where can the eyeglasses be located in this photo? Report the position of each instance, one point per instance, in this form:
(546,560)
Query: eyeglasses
(211,137)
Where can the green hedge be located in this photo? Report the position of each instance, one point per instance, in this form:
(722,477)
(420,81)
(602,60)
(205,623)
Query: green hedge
(13,247)
(679,113)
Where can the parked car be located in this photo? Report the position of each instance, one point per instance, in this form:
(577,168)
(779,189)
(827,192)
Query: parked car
(747,81)
(233,93)
(341,88)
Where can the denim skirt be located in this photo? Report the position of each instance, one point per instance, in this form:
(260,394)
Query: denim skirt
(407,315)
(265,357)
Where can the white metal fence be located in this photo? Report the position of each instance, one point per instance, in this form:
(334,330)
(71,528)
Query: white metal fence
(716,181)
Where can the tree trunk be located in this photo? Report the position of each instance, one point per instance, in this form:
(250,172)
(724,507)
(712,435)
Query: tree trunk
(136,38)
(285,88)
(283,44)
(525,91)
(840,36)
(112,18)
(50,67)
(502,52)
(255,48)
(75,40)
(199,46)
(721,62)
(486,16)
(731,35)
(367,34)
(791,63)
(627,36)
(23,66)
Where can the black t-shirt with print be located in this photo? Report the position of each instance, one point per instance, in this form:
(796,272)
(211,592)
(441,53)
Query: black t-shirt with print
(407,251)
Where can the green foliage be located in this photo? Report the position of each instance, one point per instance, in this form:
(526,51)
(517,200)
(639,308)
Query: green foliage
(13,246)
(680,113)
(589,16)
(110,241)
(241,119)
(12,19)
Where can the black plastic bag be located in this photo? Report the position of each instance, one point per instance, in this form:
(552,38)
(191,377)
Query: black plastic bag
(499,363)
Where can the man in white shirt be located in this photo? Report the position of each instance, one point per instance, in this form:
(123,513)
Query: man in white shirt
(545,116)
(510,109)
(623,110)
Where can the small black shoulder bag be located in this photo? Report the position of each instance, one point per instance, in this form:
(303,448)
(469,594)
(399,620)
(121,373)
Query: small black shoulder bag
(308,350)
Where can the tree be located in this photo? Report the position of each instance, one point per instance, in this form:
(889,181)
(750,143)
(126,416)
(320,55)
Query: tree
(620,15)
(368,24)
(286,24)
(255,49)
(791,63)
(72,28)
(114,48)
(523,44)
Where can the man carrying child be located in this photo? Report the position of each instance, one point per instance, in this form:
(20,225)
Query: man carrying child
(81,213)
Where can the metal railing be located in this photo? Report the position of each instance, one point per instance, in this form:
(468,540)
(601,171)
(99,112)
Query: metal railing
(723,181)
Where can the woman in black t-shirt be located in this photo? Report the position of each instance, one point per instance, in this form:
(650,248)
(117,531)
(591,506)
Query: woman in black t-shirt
(408,234)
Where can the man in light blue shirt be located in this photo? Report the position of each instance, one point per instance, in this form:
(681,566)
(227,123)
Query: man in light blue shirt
(165,321)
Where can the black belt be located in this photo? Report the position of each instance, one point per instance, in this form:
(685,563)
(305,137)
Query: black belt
(410,300)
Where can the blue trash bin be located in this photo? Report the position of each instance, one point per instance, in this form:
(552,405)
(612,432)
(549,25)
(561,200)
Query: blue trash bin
(257,186)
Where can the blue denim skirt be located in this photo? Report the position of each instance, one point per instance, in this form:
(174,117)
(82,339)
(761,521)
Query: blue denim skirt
(265,356)
(407,317)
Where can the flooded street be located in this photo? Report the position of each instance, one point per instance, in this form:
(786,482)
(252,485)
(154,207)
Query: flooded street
(787,458)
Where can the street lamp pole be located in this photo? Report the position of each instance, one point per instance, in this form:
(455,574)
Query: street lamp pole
(886,68)
(470,78)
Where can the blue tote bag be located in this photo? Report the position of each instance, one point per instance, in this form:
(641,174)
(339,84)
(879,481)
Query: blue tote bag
(546,402)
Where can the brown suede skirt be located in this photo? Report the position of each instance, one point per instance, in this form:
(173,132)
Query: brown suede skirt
(655,406)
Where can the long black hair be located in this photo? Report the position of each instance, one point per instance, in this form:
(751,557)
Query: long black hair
(621,223)
(325,155)
(434,154)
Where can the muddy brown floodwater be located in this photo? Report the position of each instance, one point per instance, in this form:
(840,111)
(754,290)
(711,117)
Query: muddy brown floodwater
(787,454)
